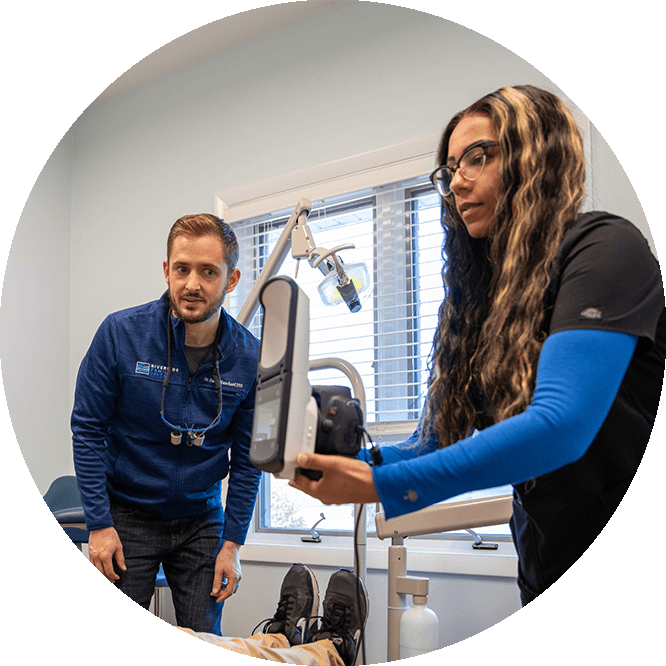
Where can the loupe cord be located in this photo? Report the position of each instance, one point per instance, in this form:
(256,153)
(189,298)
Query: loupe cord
(216,375)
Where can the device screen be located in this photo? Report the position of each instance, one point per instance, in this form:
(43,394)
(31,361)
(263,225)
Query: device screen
(266,420)
(265,450)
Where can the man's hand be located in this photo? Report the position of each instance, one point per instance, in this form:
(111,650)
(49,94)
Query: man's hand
(227,566)
(103,546)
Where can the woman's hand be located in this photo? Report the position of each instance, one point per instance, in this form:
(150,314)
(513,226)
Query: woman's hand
(344,480)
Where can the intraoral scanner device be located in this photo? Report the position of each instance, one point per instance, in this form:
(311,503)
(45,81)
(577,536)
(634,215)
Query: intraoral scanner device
(291,415)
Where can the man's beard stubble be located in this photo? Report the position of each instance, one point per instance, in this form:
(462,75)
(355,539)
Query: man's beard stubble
(212,309)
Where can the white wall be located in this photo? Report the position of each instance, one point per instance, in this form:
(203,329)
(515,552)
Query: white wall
(34,325)
(92,237)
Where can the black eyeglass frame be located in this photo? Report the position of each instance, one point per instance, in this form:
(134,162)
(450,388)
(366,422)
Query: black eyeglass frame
(452,170)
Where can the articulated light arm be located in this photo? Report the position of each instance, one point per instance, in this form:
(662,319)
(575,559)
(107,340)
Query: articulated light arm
(275,260)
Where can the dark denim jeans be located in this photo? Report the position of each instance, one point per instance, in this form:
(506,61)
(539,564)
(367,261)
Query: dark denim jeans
(186,548)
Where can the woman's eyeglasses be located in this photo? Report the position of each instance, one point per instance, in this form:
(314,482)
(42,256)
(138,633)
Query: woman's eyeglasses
(471,165)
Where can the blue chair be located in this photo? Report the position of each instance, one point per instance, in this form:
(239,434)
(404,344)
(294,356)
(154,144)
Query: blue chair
(64,501)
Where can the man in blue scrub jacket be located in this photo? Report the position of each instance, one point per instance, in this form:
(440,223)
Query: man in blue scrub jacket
(163,413)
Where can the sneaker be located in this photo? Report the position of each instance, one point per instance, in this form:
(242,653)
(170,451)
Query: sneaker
(345,614)
(297,609)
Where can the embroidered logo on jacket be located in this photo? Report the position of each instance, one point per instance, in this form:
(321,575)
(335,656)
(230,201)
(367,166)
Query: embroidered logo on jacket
(151,370)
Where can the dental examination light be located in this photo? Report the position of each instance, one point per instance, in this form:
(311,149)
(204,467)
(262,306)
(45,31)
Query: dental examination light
(345,283)
(290,415)
(342,282)
(350,283)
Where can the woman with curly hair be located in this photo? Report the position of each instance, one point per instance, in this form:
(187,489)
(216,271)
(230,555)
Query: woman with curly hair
(548,359)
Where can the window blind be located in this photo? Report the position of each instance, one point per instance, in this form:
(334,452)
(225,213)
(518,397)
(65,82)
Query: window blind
(396,232)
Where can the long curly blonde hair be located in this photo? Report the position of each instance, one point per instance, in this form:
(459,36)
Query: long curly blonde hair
(490,330)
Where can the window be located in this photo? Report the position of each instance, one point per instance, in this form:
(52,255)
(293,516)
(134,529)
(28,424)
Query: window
(396,232)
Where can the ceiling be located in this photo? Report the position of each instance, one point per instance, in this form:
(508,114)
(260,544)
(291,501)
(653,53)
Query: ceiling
(213,38)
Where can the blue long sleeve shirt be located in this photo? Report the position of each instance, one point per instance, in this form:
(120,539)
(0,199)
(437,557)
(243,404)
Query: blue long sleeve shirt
(578,377)
(122,447)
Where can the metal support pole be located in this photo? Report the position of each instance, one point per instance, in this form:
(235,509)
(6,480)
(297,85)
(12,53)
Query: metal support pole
(397,602)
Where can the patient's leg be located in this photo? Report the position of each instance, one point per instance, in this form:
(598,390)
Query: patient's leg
(276,647)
